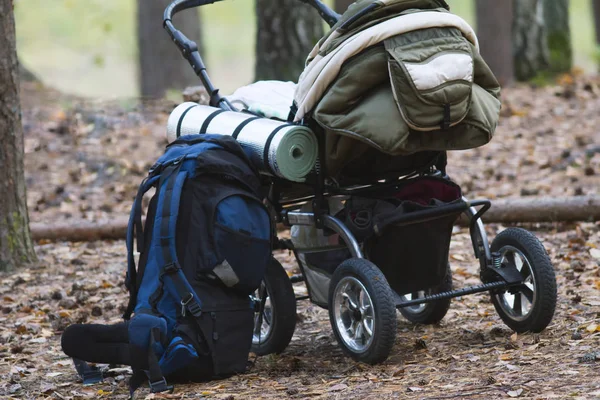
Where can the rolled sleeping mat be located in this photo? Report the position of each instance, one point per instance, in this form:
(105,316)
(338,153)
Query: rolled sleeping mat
(277,148)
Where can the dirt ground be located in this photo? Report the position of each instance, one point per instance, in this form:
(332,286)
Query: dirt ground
(84,160)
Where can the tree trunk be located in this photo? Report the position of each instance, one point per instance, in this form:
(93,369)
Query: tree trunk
(494,29)
(530,44)
(16,248)
(556,15)
(596,4)
(161,66)
(287,32)
(342,5)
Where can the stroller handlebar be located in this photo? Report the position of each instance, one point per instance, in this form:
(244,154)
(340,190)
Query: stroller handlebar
(189,48)
(328,15)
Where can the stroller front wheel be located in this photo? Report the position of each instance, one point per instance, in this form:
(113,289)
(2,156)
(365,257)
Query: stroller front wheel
(529,307)
(362,311)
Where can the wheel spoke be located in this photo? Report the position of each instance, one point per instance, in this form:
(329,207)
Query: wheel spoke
(517,305)
(518,261)
(359,332)
(362,300)
(367,328)
(527,292)
(351,304)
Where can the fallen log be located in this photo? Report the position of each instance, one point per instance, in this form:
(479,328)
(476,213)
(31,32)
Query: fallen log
(80,231)
(544,209)
(526,209)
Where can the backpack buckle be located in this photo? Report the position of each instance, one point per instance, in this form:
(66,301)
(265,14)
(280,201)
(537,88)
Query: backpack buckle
(160,386)
(185,300)
(171,268)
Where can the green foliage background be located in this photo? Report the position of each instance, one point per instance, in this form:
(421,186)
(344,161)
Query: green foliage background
(88,47)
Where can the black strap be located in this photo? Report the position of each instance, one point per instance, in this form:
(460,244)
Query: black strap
(241,126)
(293,111)
(154,375)
(268,145)
(156,380)
(88,374)
(181,119)
(447,120)
(208,120)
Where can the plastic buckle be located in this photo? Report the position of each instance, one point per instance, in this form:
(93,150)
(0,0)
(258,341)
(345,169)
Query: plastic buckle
(171,268)
(185,300)
(89,375)
(160,386)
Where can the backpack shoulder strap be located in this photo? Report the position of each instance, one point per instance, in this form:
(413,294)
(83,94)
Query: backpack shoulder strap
(177,286)
(135,228)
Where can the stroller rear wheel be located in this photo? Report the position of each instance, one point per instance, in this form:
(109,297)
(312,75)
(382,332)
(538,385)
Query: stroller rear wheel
(274,327)
(428,313)
(529,307)
(362,311)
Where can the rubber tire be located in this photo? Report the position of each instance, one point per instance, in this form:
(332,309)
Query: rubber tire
(283,303)
(435,311)
(545,292)
(382,297)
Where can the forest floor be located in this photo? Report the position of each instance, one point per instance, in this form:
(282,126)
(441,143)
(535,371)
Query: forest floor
(84,160)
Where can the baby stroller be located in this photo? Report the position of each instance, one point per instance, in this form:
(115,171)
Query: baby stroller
(372,220)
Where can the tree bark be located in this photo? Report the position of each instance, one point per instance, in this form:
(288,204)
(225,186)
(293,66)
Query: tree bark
(530,42)
(556,15)
(342,5)
(596,5)
(544,209)
(16,248)
(287,32)
(161,66)
(494,29)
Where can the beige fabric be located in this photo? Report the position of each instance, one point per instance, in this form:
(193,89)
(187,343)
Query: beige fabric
(322,71)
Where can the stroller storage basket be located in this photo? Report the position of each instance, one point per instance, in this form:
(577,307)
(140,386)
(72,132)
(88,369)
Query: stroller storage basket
(407,231)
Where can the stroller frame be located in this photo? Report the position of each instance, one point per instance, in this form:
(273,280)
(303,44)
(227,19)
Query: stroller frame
(513,269)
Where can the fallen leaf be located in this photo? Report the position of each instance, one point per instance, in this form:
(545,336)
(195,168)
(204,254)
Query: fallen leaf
(47,387)
(595,253)
(415,389)
(338,387)
(515,393)
(591,328)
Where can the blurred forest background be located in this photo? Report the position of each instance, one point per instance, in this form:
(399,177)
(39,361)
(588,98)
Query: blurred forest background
(90,47)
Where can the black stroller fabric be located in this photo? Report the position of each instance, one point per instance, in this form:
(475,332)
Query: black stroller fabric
(412,257)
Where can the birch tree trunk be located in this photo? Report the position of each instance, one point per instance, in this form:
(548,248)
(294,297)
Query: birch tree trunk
(494,29)
(287,32)
(556,15)
(161,66)
(530,43)
(16,248)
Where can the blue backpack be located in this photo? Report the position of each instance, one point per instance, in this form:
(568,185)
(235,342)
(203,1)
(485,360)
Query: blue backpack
(203,250)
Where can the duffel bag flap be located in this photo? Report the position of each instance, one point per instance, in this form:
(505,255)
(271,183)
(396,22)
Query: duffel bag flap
(431,73)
